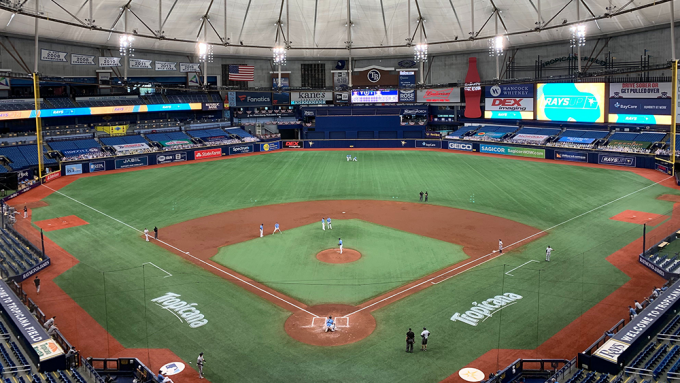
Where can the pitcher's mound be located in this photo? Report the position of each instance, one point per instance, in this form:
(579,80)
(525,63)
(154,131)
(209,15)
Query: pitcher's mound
(334,256)
(306,328)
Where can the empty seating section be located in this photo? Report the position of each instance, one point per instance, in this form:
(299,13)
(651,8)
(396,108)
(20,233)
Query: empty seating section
(62,102)
(637,137)
(6,358)
(205,133)
(74,144)
(656,357)
(187,98)
(77,377)
(21,105)
(239,132)
(122,140)
(167,136)
(110,102)
(15,255)
(539,131)
(595,134)
(463,131)
(576,377)
(666,361)
(642,355)
(155,99)
(22,156)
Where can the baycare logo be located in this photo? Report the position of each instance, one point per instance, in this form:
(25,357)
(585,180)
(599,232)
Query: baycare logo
(292,144)
(620,106)
(312,95)
(210,153)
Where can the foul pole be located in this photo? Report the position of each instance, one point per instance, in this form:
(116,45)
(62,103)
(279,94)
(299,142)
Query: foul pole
(38,123)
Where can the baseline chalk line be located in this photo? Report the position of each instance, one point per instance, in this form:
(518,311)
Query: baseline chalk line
(150,263)
(182,251)
(525,263)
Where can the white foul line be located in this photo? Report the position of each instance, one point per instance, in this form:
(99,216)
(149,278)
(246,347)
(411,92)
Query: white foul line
(525,263)
(185,252)
(499,254)
(149,263)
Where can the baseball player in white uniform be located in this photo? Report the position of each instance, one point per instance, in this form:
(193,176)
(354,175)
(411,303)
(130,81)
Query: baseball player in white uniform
(261,230)
(146,234)
(328,221)
(276,228)
(340,244)
(349,157)
(323,223)
(200,362)
(548,251)
(500,246)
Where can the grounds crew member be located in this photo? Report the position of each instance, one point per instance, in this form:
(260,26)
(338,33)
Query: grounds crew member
(410,339)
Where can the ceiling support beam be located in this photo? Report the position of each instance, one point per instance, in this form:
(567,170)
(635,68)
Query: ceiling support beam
(591,14)
(539,17)
(35,42)
(382,10)
(141,21)
(462,33)
(316,10)
(349,42)
(472,20)
(67,11)
(225,40)
(245,17)
(557,14)
(168,15)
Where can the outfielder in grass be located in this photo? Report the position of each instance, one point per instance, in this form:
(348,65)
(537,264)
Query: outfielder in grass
(548,251)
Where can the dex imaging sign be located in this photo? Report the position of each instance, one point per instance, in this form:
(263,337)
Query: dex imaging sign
(509,102)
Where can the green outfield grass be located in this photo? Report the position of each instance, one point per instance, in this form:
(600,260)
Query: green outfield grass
(390,258)
(244,335)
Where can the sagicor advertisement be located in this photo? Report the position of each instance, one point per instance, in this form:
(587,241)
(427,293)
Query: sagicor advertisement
(570,102)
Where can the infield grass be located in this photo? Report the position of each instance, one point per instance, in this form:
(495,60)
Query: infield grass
(390,258)
(244,334)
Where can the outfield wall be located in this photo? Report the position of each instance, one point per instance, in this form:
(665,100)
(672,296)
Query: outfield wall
(557,154)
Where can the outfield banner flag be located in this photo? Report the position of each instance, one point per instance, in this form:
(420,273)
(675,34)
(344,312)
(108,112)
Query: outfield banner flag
(131,162)
(109,61)
(239,149)
(571,156)
(512,151)
(270,146)
(458,145)
(190,67)
(165,66)
(77,59)
(99,166)
(55,56)
(607,159)
(140,64)
(74,169)
(531,137)
(577,140)
(125,148)
(168,158)
(175,142)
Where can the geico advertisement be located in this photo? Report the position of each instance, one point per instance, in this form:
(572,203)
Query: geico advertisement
(570,102)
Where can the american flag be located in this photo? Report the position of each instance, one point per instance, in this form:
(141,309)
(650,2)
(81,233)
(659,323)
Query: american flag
(241,73)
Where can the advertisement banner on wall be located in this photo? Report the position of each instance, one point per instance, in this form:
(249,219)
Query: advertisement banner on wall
(658,90)
(646,103)
(244,99)
(55,56)
(270,146)
(512,151)
(310,98)
(458,145)
(240,149)
(97,166)
(52,176)
(607,159)
(428,144)
(440,95)
(340,80)
(173,157)
(74,169)
(570,102)
(375,96)
(571,156)
(207,106)
(407,95)
(341,97)
(407,79)
(509,101)
(292,144)
(77,59)
(282,98)
(208,153)
(132,162)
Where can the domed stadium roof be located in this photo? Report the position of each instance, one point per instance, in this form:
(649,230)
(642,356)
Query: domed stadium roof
(317,28)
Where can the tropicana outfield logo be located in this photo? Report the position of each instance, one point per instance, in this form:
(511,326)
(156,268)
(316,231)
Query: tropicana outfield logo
(484,310)
(191,315)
